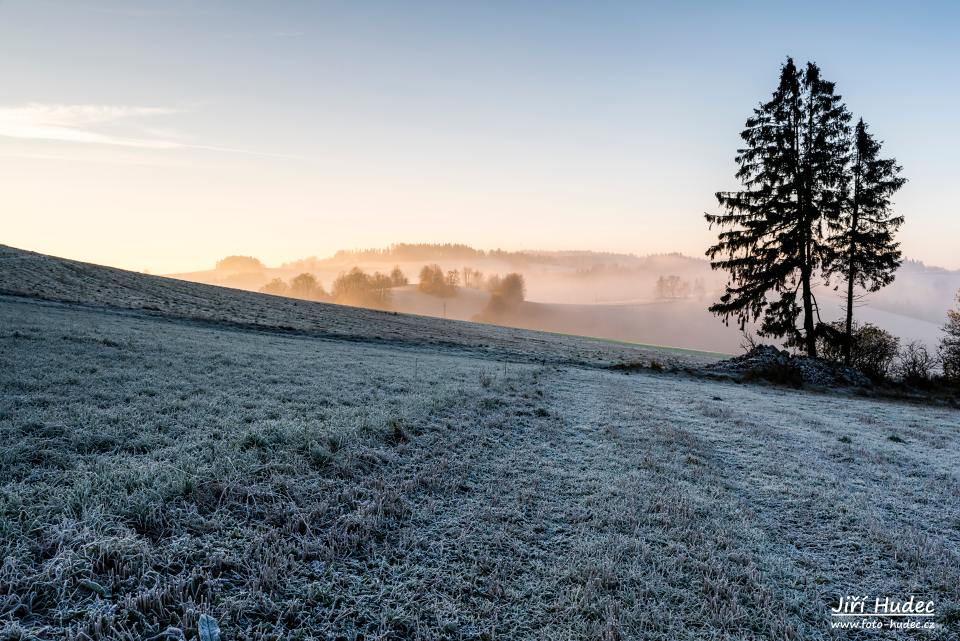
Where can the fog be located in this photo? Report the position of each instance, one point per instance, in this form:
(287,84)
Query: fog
(657,299)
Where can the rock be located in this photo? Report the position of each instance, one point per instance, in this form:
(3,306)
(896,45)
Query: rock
(768,362)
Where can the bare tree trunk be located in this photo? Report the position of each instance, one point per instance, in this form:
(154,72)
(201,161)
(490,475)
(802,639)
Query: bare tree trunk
(806,270)
(848,332)
(809,329)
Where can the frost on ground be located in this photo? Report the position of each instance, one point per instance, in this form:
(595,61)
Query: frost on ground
(154,470)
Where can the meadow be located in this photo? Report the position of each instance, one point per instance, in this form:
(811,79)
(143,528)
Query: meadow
(325,483)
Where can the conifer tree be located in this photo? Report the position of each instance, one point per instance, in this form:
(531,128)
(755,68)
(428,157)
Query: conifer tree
(774,236)
(865,253)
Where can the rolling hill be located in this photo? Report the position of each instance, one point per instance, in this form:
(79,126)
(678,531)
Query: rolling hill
(610,295)
(25,273)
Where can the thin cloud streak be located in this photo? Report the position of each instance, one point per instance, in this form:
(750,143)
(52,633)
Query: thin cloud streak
(74,123)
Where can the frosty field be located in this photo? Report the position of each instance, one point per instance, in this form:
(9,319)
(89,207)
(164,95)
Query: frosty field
(312,484)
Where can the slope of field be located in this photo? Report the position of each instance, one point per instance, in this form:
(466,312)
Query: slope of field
(330,485)
(25,273)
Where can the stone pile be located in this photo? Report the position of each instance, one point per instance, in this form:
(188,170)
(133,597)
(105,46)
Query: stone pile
(765,359)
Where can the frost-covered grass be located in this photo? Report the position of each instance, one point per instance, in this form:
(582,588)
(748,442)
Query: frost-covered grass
(155,469)
(151,470)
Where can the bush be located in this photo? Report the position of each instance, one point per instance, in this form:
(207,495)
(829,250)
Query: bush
(872,351)
(916,363)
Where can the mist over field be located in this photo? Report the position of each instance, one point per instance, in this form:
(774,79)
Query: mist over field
(607,295)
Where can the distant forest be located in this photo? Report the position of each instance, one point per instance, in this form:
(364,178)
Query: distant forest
(422,252)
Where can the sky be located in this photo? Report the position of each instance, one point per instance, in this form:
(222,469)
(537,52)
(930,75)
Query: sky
(162,136)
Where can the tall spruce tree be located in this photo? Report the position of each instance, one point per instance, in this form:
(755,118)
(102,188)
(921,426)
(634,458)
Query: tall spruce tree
(776,230)
(865,252)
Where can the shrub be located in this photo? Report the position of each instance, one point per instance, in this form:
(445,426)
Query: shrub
(872,350)
(915,364)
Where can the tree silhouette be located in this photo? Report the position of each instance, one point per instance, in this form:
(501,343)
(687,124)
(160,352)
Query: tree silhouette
(512,289)
(380,285)
(671,287)
(361,289)
(472,278)
(239,264)
(276,287)
(434,282)
(397,277)
(305,286)
(506,294)
(774,235)
(865,252)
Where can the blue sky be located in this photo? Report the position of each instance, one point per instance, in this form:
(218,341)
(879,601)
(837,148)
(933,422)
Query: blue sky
(164,135)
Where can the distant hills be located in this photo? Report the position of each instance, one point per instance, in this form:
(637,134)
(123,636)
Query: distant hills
(605,294)
(60,280)
(581,269)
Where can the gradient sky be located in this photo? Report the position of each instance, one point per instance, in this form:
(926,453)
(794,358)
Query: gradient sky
(164,135)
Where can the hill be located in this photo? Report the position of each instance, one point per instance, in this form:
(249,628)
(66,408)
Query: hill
(552,276)
(174,452)
(607,295)
(24,273)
